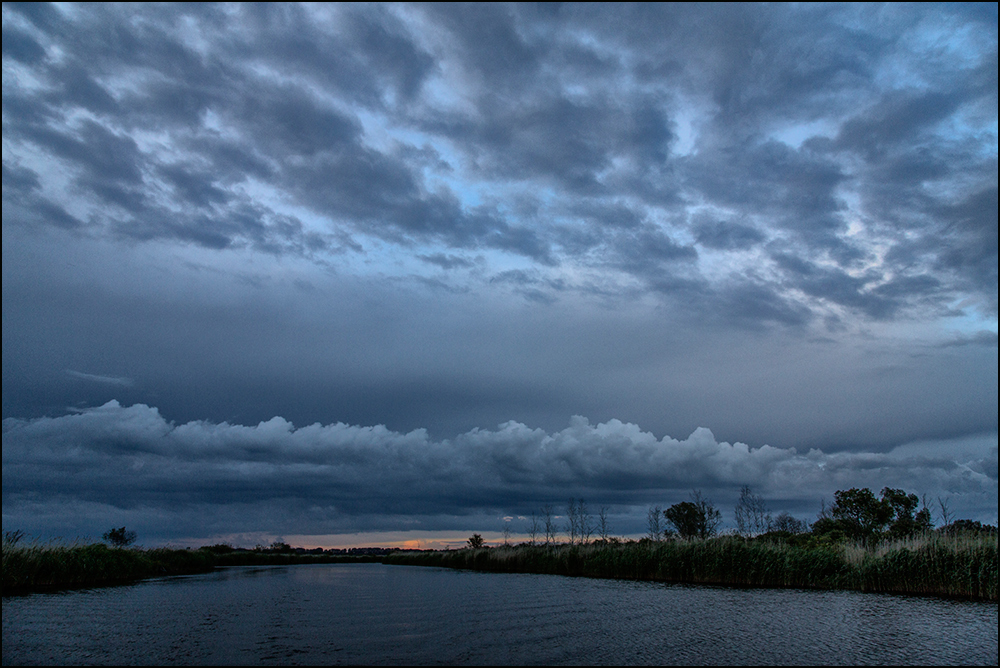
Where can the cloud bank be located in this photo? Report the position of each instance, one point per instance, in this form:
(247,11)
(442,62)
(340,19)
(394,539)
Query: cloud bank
(201,479)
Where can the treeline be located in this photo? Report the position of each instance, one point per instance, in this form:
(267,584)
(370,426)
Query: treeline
(883,543)
(855,515)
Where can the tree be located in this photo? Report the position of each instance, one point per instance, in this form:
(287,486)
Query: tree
(550,524)
(945,508)
(904,518)
(573,519)
(119,537)
(859,514)
(586,521)
(602,524)
(787,523)
(655,530)
(476,541)
(968,526)
(686,518)
(713,518)
(752,516)
(533,530)
(696,518)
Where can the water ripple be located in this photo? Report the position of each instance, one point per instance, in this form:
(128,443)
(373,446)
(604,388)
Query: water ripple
(375,614)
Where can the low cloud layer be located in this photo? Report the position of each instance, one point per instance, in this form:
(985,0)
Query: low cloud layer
(200,479)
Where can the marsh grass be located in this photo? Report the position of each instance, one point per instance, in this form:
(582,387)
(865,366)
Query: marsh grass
(34,565)
(954,566)
(961,566)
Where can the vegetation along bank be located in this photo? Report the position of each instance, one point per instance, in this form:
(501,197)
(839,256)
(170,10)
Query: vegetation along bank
(861,542)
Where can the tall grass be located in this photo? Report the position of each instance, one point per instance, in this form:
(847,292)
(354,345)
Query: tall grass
(959,566)
(35,565)
(29,566)
(963,565)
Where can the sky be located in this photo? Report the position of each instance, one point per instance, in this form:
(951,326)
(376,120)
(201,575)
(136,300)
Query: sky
(357,274)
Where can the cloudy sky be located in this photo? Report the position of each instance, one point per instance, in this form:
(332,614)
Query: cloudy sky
(353,273)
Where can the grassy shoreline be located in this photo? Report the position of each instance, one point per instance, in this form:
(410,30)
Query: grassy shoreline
(963,566)
(34,567)
(946,566)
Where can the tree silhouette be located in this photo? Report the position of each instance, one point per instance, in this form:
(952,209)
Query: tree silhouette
(905,520)
(859,514)
(550,524)
(602,524)
(752,515)
(653,529)
(476,541)
(533,530)
(119,537)
(697,518)
(785,522)
(573,521)
(586,521)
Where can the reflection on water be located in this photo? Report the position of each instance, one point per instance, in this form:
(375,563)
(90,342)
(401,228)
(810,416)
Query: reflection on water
(375,614)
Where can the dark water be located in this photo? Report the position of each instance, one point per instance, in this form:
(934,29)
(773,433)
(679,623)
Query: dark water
(369,613)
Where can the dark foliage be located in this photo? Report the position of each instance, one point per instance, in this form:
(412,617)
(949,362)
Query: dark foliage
(968,527)
(119,537)
(858,514)
(694,519)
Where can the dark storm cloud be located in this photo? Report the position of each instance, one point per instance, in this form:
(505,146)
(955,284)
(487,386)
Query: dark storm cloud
(726,235)
(559,140)
(794,189)
(840,287)
(24,206)
(366,53)
(447,261)
(753,303)
(131,459)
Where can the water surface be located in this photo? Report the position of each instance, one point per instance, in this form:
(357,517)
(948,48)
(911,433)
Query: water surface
(376,614)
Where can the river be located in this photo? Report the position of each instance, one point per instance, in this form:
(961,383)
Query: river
(377,614)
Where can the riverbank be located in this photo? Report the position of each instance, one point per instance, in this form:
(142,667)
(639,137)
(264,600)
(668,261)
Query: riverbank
(963,566)
(956,566)
(39,567)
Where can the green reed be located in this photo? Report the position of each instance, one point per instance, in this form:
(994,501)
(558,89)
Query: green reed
(35,565)
(30,565)
(963,565)
(957,566)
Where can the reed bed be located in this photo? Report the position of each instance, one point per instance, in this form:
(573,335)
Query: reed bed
(37,566)
(953,566)
(959,566)
(32,566)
